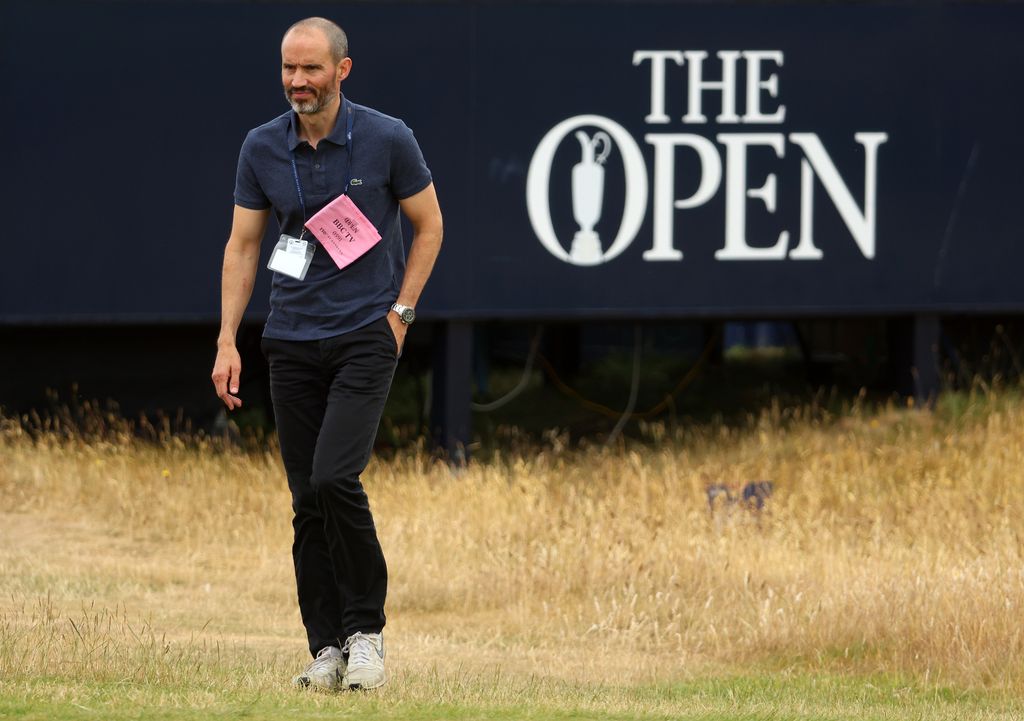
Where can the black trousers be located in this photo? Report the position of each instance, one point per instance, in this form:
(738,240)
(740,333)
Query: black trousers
(328,398)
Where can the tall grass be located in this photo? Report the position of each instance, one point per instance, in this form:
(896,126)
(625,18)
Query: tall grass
(892,544)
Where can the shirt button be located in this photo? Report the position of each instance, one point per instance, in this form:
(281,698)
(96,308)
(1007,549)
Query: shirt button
(317,166)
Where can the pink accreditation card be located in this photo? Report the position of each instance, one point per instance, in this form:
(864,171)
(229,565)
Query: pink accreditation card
(343,231)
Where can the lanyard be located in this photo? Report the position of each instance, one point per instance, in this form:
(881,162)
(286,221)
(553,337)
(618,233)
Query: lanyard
(348,166)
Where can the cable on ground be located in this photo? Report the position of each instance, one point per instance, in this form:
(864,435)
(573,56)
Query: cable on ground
(523,381)
(634,387)
(654,410)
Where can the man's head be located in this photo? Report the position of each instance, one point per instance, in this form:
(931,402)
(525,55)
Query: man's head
(314,61)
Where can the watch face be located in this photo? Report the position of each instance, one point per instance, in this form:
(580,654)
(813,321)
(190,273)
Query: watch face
(408,315)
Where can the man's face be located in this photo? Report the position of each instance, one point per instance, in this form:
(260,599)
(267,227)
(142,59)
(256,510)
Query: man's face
(308,72)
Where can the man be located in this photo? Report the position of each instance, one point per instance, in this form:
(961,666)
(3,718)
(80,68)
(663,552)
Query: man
(334,333)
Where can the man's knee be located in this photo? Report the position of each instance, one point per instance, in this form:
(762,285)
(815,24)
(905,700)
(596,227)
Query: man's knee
(335,482)
(304,503)
(343,493)
(339,466)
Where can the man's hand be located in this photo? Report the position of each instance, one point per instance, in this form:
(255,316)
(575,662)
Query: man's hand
(241,256)
(227,372)
(427,228)
(399,329)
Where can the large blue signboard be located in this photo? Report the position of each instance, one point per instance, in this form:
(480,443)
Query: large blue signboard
(593,160)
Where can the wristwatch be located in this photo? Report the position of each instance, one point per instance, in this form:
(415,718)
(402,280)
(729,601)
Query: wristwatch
(405,313)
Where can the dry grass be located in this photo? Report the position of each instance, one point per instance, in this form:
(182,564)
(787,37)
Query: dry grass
(892,546)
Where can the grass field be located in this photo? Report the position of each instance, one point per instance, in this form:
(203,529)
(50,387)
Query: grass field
(884,580)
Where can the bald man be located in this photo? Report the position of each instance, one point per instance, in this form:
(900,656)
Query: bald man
(335,330)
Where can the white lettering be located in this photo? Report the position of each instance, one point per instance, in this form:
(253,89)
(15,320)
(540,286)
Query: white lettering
(755,85)
(762,106)
(697,85)
(860,224)
(806,249)
(664,186)
(657,58)
(736,194)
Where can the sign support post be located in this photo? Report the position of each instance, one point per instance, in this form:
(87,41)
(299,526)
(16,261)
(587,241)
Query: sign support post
(451,389)
(927,330)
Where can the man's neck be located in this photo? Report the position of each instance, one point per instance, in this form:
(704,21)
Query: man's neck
(314,127)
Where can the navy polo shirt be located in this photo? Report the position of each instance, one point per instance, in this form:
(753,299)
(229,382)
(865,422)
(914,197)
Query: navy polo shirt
(387,166)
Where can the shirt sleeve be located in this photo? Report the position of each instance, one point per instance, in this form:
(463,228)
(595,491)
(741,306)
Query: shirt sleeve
(409,172)
(248,191)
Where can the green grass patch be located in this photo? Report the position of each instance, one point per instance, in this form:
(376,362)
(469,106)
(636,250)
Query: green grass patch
(429,696)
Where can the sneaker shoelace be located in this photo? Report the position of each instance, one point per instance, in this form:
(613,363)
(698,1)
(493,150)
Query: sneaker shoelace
(360,650)
(323,658)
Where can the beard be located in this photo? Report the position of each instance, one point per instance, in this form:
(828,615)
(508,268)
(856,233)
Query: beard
(314,105)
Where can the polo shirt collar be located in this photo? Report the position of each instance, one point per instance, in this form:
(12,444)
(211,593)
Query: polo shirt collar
(336,136)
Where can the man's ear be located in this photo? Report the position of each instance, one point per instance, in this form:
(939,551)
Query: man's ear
(344,68)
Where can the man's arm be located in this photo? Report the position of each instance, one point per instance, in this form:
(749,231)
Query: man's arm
(241,257)
(424,214)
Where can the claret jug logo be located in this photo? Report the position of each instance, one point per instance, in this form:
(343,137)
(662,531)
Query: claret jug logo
(588,189)
(601,142)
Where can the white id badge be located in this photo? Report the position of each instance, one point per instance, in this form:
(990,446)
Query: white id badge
(292,257)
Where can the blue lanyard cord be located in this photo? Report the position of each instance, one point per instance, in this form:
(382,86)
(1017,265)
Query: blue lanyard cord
(348,165)
(348,147)
(298,187)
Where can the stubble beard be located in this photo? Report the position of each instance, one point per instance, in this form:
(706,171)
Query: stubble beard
(313,105)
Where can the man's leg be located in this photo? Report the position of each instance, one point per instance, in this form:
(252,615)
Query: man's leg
(364,362)
(299,387)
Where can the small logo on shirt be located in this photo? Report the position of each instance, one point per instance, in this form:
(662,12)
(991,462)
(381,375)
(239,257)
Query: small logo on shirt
(356,181)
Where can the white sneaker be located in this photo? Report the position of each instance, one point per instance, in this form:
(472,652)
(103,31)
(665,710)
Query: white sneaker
(325,672)
(365,661)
